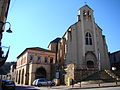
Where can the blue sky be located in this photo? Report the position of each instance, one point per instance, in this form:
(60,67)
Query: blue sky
(37,22)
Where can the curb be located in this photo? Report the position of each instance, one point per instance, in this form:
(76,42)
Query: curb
(75,87)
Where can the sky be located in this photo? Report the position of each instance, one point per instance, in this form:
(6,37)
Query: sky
(37,22)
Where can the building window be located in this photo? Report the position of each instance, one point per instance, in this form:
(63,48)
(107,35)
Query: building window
(39,59)
(46,59)
(24,60)
(51,59)
(60,60)
(88,39)
(31,57)
(70,35)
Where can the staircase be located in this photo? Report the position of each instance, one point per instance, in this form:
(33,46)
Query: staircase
(96,77)
(112,74)
(105,76)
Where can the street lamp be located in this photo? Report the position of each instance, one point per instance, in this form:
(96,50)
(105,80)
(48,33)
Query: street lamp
(2,24)
(3,58)
(99,67)
(116,78)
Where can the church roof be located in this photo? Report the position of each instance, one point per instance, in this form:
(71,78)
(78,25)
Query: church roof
(115,52)
(55,40)
(86,6)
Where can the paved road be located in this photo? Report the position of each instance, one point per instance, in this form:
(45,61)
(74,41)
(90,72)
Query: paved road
(37,88)
(64,88)
(26,88)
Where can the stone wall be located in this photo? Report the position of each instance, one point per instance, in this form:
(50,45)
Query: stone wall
(69,72)
(78,74)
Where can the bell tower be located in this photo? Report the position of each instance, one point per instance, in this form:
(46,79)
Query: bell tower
(85,12)
(86,17)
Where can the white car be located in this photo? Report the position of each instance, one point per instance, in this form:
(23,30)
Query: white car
(43,82)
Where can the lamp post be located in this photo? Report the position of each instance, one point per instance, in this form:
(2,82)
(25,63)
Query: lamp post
(3,58)
(99,68)
(116,78)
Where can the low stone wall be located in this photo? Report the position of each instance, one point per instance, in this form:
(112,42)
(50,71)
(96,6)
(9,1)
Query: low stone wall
(77,74)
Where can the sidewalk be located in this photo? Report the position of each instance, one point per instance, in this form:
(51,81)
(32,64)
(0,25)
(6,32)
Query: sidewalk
(87,86)
(101,85)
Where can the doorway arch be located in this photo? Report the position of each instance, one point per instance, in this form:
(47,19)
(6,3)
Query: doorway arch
(40,73)
(90,60)
(90,64)
(16,76)
(22,77)
(19,77)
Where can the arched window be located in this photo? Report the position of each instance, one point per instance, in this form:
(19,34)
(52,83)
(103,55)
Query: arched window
(31,57)
(39,59)
(84,13)
(88,39)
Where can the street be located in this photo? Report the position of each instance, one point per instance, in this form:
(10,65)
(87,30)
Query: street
(105,88)
(63,88)
(26,88)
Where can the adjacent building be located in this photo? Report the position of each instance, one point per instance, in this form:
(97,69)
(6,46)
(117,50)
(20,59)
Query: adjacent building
(5,71)
(115,60)
(34,63)
(13,71)
(4,7)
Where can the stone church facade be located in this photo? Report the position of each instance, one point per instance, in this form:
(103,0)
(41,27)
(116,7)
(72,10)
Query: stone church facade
(82,47)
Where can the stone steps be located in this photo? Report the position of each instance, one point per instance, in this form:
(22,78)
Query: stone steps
(102,75)
(112,74)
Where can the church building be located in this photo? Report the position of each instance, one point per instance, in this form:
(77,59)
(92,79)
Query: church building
(82,47)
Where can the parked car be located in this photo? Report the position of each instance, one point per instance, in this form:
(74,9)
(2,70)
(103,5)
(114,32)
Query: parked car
(43,82)
(8,85)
